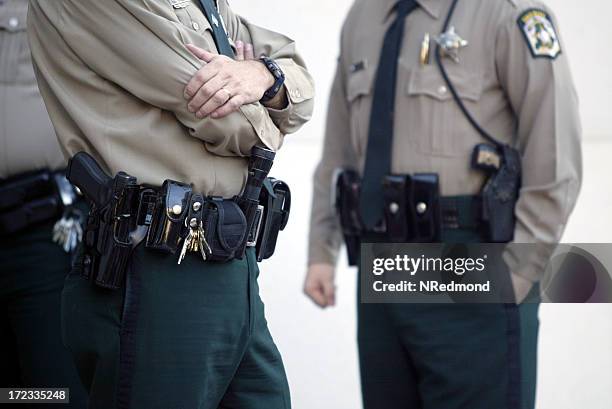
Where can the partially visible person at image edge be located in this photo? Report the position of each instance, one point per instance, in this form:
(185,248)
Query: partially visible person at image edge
(32,266)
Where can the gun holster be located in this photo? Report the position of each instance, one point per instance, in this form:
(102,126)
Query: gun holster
(275,206)
(107,242)
(500,195)
(412,208)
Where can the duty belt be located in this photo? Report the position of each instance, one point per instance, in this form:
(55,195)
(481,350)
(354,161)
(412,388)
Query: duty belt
(456,213)
(414,211)
(33,198)
(174,219)
(460,212)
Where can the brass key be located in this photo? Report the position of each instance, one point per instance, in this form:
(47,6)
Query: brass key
(67,232)
(186,245)
(195,241)
(204,246)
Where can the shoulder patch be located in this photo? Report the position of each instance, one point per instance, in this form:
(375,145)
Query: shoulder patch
(540,33)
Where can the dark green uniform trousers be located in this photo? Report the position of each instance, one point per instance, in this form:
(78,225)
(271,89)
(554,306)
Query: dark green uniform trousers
(192,336)
(32,273)
(448,356)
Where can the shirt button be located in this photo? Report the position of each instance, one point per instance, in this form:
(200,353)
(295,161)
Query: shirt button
(195,26)
(442,90)
(13,22)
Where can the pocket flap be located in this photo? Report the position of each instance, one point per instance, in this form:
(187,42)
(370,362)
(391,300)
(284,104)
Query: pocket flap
(13,15)
(359,83)
(176,195)
(429,81)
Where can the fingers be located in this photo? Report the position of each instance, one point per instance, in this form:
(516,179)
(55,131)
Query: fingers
(320,290)
(204,75)
(219,99)
(329,291)
(223,84)
(239,51)
(244,51)
(249,52)
(231,105)
(205,94)
(314,290)
(201,53)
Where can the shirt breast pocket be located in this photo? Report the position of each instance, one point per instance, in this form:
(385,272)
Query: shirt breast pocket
(359,94)
(189,14)
(436,121)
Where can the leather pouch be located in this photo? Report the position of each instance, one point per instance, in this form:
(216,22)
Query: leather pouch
(425,207)
(396,191)
(275,198)
(167,224)
(224,227)
(412,208)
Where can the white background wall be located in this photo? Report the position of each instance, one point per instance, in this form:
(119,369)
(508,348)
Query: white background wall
(319,347)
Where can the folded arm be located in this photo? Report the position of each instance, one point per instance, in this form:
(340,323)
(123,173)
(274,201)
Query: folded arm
(141,47)
(299,85)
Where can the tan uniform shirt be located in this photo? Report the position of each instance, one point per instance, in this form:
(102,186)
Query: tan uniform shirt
(526,101)
(113,74)
(27,139)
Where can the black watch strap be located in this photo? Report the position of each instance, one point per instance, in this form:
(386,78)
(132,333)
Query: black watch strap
(279,78)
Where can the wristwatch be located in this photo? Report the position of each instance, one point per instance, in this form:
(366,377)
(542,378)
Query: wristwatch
(279,78)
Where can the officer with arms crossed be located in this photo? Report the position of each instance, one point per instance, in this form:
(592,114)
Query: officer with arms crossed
(33,196)
(478,96)
(153,92)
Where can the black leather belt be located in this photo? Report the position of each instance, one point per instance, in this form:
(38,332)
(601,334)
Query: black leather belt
(461,212)
(33,198)
(151,196)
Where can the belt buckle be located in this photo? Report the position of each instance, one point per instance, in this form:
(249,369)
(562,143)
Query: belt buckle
(253,234)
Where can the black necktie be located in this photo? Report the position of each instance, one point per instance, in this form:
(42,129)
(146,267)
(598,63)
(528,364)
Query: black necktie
(219,34)
(380,135)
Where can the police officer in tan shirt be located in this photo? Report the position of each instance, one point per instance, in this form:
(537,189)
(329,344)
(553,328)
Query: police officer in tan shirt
(157,89)
(507,65)
(32,266)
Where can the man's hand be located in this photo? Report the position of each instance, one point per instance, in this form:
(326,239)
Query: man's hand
(319,285)
(223,85)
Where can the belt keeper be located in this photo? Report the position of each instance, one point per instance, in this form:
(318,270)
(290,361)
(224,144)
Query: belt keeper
(253,234)
(196,209)
(146,206)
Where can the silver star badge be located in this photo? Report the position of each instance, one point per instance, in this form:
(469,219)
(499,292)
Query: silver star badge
(450,43)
